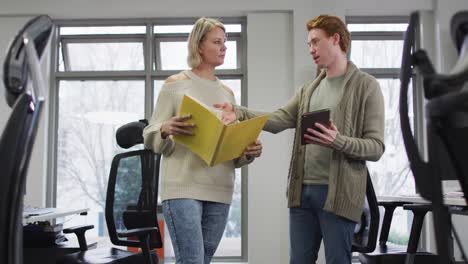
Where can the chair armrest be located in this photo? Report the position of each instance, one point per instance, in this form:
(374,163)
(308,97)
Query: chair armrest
(391,203)
(423,208)
(79,231)
(419,212)
(389,207)
(144,236)
(137,232)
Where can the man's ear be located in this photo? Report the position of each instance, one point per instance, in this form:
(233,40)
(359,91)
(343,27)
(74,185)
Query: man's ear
(336,38)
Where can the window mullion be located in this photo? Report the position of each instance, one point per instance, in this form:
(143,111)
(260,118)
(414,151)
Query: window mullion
(104,37)
(376,19)
(118,39)
(100,75)
(148,55)
(383,73)
(66,58)
(157,54)
(377,35)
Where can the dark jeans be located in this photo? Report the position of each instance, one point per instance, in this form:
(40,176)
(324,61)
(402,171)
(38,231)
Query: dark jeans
(309,224)
(196,228)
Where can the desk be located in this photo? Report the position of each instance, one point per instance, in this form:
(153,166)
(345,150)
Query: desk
(455,205)
(57,213)
(48,253)
(449,201)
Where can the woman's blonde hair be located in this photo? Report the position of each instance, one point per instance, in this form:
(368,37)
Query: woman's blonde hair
(199,31)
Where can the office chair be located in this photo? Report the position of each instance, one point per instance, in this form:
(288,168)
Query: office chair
(385,253)
(447,126)
(131,205)
(366,232)
(17,139)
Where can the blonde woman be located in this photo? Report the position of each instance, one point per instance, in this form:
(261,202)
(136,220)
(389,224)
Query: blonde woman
(196,198)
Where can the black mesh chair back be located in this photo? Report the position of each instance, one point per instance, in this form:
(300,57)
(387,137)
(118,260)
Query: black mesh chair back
(365,235)
(15,149)
(131,205)
(132,194)
(132,190)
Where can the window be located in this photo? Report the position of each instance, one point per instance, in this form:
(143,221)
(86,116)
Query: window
(376,48)
(108,73)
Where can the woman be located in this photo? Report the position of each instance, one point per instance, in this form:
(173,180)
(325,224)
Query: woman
(196,197)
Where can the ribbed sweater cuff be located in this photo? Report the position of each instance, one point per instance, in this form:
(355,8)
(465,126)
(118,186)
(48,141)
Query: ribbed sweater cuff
(242,161)
(239,113)
(339,142)
(159,144)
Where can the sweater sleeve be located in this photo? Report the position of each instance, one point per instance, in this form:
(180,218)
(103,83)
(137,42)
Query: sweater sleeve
(279,120)
(371,145)
(242,161)
(152,133)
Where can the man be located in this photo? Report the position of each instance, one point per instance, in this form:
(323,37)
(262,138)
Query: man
(327,177)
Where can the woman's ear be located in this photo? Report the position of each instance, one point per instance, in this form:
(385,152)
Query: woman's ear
(200,49)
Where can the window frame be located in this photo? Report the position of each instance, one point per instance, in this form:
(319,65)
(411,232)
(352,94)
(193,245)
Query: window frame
(182,37)
(384,73)
(149,75)
(379,73)
(97,39)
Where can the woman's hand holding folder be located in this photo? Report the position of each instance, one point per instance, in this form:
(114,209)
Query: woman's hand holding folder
(254,150)
(177,126)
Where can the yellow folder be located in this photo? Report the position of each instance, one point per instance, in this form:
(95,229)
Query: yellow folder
(213,141)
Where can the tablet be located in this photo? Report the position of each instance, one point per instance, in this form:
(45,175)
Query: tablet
(309,119)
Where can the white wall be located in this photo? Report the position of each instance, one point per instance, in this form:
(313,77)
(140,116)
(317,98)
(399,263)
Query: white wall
(271,55)
(278,63)
(160,8)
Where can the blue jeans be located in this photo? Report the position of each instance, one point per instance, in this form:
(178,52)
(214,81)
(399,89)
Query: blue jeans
(196,228)
(309,223)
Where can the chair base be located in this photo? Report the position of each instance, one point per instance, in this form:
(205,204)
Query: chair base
(397,258)
(106,256)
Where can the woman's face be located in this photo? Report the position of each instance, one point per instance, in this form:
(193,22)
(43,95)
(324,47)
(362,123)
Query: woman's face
(212,48)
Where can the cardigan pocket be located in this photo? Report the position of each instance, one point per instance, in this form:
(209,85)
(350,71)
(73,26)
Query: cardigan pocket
(355,164)
(355,170)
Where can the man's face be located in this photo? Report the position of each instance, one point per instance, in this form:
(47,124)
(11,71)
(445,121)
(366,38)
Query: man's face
(323,49)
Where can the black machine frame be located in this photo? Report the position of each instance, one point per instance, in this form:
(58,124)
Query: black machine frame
(17,140)
(447,125)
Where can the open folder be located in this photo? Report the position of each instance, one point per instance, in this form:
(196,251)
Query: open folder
(213,141)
